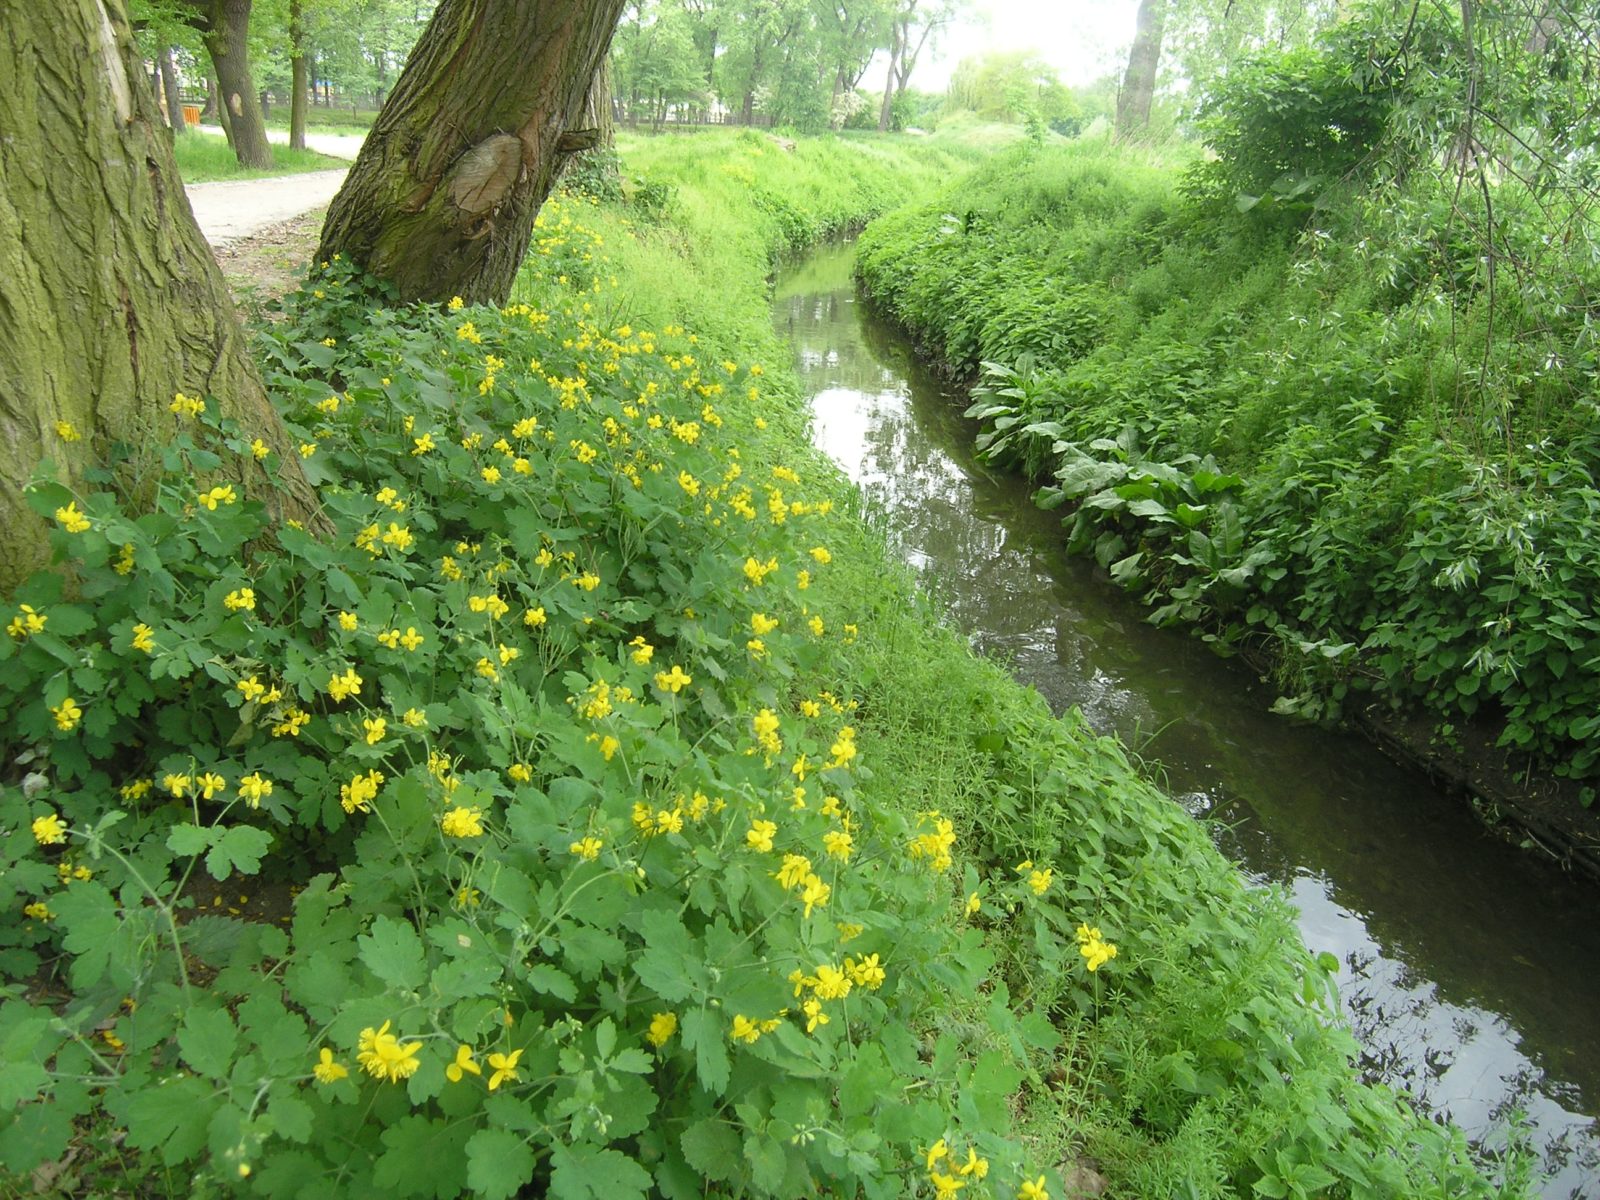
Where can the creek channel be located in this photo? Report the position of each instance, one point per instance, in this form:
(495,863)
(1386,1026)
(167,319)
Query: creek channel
(1469,971)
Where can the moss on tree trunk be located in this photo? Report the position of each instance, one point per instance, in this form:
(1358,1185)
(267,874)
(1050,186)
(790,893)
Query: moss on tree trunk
(110,299)
(442,199)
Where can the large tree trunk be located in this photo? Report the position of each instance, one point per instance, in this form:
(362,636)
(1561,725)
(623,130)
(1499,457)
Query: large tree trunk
(169,89)
(297,86)
(442,199)
(1139,84)
(227,38)
(110,299)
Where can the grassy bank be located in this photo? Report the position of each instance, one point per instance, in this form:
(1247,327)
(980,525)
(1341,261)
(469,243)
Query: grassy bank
(205,158)
(1326,443)
(595,795)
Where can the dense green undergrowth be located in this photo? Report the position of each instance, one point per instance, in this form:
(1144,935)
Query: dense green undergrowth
(591,808)
(1331,439)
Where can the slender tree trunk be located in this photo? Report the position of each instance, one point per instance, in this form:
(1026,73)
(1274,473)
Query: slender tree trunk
(297,68)
(442,198)
(1139,84)
(896,46)
(169,88)
(112,299)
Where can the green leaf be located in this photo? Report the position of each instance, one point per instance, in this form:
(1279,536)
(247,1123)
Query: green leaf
(238,849)
(586,1173)
(553,982)
(207,1040)
(38,1134)
(188,839)
(393,952)
(712,1148)
(702,1032)
(498,1164)
(170,1117)
(768,1162)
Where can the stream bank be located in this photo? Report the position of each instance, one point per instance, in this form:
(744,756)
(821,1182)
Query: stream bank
(1391,876)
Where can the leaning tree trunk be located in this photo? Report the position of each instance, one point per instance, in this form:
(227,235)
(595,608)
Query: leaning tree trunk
(110,299)
(442,198)
(169,88)
(227,39)
(1139,84)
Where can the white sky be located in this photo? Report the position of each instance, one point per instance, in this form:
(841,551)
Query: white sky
(1082,39)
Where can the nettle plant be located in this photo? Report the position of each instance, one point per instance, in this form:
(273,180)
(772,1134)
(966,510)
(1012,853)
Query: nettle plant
(507,832)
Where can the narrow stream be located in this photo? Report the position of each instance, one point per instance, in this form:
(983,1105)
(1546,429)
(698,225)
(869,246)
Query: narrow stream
(1469,970)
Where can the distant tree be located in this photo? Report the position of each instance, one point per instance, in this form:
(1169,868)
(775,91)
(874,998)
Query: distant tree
(224,27)
(1139,81)
(914,26)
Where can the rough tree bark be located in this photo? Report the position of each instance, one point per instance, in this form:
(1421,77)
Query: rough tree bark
(225,28)
(442,199)
(1139,84)
(897,43)
(169,89)
(298,76)
(110,299)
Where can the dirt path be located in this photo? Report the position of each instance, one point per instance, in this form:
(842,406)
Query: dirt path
(339,145)
(237,208)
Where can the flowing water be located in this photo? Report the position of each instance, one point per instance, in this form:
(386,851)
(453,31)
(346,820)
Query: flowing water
(1469,970)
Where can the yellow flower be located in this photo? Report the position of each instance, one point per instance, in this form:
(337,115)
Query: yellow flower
(814,1014)
(977,1167)
(534,617)
(520,772)
(867,972)
(820,553)
(178,785)
(1033,1190)
(831,983)
(609,746)
(217,495)
(462,1065)
(1097,953)
(67,715)
(186,406)
(587,848)
(817,627)
(359,793)
(814,893)
(588,581)
(462,822)
(491,474)
(415,718)
(68,432)
(974,903)
(240,600)
(384,1057)
(259,449)
(345,685)
(939,1150)
(838,844)
(253,789)
(1039,881)
(422,444)
(794,871)
(327,1070)
(38,911)
(209,785)
(26,623)
(505,1068)
(662,1027)
(144,638)
(376,729)
(71,519)
(945,1186)
(643,650)
(745,1030)
(673,681)
(251,688)
(307,449)
(49,830)
(411,639)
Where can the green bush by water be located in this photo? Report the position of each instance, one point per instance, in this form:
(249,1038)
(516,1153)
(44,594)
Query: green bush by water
(628,824)
(1295,438)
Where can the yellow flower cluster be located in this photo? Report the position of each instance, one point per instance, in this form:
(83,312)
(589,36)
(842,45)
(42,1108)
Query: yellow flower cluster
(384,1056)
(1094,948)
(935,845)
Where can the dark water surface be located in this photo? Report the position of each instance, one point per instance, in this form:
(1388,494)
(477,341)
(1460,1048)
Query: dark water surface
(1470,972)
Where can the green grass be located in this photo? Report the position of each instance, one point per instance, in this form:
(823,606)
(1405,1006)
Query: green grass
(204,158)
(325,120)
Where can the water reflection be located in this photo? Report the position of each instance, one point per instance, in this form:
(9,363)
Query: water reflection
(1467,968)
